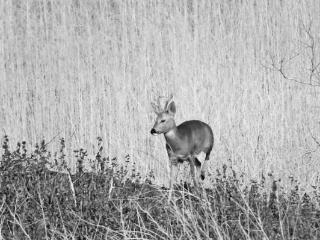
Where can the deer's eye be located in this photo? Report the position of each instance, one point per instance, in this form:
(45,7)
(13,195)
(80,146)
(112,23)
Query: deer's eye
(162,120)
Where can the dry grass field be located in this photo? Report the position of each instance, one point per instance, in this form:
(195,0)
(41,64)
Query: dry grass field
(79,70)
(83,69)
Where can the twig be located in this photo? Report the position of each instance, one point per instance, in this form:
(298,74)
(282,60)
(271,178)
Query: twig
(313,69)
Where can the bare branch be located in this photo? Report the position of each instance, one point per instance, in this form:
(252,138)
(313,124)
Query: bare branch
(314,138)
(313,77)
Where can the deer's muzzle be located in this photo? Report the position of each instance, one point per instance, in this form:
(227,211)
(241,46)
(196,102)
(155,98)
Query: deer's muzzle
(153,131)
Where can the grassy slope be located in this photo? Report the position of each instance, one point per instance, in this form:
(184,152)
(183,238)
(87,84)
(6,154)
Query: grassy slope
(39,204)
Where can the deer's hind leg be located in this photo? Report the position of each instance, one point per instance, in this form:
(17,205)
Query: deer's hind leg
(205,166)
(197,164)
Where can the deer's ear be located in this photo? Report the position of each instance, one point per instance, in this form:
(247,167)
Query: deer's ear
(171,108)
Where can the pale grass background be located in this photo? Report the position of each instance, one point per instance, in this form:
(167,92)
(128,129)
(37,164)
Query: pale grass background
(83,69)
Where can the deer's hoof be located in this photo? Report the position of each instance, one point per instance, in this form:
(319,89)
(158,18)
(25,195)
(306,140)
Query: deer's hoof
(202,176)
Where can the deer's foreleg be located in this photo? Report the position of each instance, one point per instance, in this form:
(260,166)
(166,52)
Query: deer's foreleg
(173,171)
(173,174)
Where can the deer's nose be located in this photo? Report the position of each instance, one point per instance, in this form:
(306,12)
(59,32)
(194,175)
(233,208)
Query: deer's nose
(153,131)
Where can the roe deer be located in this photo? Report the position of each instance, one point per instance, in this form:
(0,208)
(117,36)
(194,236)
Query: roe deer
(184,142)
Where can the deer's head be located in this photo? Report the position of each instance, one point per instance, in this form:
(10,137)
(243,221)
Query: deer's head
(165,116)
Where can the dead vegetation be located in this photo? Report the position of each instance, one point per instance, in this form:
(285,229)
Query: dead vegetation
(115,203)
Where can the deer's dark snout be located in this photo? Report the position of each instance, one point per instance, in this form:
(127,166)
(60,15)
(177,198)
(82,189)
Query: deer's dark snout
(153,131)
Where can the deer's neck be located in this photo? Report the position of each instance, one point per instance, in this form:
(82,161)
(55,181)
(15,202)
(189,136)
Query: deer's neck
(172,138)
